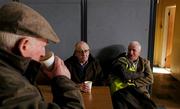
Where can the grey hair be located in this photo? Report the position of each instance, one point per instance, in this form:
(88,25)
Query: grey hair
(9,40)
(78,44)
(136,43)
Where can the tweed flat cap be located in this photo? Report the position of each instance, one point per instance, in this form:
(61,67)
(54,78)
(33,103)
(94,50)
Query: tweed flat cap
(20,19)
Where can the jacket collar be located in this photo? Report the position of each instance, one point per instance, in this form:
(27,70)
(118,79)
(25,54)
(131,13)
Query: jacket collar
(18,62)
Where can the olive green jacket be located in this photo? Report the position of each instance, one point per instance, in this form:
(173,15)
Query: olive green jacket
(17,91)
(140,77)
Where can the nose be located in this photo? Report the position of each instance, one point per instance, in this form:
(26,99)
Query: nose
(42,54)
(131,52)
(83,54)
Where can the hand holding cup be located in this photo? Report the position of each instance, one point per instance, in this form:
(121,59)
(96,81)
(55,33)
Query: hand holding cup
(86,86)
(48,60)
(54,66)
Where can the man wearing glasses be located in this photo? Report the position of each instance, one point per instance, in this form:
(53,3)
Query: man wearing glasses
(84,67)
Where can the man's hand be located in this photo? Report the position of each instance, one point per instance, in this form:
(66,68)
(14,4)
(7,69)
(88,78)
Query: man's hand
(83,87)
(59,69)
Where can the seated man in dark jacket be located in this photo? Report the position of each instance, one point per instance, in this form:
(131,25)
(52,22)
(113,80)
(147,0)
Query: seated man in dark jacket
(24,34)
(83,67)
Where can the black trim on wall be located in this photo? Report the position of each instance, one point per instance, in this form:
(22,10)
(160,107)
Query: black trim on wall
(16,0)
(152,31)
(84,20)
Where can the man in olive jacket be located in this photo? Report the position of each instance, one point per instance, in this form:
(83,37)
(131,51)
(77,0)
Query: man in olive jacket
(24,33)
(132,69)
(131,75)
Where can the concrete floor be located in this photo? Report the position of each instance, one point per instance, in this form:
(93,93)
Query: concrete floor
(166,91)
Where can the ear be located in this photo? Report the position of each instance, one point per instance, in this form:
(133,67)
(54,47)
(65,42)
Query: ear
(24,45)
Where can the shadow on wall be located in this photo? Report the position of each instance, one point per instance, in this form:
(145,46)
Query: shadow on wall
(107,54)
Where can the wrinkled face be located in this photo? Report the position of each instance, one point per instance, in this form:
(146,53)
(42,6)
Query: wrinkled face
(82,52)
(133,52)
(33,48)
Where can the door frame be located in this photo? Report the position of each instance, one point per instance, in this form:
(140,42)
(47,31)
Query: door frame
(165,35)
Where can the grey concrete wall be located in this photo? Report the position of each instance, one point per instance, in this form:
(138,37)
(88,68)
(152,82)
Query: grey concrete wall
(110,22)
(118,22)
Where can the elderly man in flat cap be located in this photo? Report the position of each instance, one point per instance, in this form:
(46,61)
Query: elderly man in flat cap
(24,33)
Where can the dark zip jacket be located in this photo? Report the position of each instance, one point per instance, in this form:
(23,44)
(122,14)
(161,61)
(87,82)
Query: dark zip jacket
(92,71)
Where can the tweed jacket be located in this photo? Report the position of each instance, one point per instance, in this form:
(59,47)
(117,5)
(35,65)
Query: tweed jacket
(17,89)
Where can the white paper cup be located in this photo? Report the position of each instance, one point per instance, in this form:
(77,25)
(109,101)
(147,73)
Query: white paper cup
(48,60)
(89,85)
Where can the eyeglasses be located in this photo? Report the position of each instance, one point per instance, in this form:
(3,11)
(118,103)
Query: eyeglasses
(82,51)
